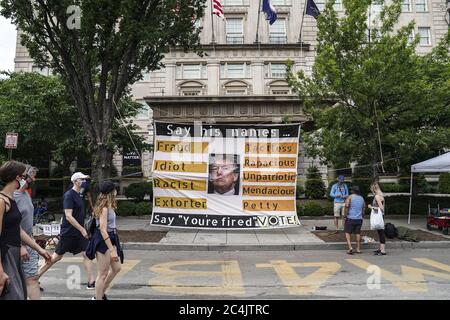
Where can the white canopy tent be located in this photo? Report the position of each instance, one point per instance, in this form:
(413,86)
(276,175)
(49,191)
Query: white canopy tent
(438,164)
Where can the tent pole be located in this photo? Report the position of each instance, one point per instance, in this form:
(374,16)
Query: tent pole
(410,198)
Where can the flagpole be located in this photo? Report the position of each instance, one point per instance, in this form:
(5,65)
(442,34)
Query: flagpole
(301,26)
(257,25)
(212,23)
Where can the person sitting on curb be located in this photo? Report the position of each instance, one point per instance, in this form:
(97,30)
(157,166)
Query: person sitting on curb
(354,211)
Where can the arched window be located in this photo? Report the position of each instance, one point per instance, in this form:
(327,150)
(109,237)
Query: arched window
(279,87)
(192,88)
(236,88)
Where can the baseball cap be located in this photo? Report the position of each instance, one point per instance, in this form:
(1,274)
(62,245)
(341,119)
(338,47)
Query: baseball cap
(107,186)
(78,175)
(341,178)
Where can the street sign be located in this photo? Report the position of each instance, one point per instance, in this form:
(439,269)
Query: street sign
(11,140)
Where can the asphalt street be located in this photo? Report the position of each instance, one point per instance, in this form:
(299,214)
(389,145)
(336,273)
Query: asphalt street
(321,274)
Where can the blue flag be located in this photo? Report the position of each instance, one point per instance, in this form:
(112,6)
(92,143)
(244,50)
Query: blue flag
(311,9)
(270,11)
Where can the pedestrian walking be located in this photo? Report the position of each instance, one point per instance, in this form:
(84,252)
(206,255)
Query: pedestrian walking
(105,244)
(355,206)
(339,192)
(74,237)
(30,257)
(12,277)
(378,204)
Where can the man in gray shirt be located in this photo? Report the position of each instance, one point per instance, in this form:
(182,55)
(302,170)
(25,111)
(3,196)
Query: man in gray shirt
(30,258)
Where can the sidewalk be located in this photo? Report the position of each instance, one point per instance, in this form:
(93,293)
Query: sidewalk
(294,238)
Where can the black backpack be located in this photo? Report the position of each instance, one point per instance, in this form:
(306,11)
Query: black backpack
(390,230)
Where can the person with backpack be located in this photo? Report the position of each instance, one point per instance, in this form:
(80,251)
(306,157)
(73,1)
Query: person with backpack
(74,237)
(354,212)
(339,192)
(105,244)
(378,204)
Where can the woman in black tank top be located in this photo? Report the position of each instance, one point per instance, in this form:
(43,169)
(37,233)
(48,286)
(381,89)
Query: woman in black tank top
(12,281)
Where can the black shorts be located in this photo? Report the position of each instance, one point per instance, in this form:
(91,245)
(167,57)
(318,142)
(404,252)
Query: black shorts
(353,226)
(71,244)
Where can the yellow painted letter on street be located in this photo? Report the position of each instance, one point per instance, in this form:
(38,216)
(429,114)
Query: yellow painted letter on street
(411,279)
(172,279)
(297,285)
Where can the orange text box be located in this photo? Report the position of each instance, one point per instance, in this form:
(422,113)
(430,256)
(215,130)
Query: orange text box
(270,162)
(174,166)
(268,191)
(181,146)
(180,203)
(280,148)
(268,205)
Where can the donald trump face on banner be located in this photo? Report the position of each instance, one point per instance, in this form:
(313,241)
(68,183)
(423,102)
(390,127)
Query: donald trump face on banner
(223,174)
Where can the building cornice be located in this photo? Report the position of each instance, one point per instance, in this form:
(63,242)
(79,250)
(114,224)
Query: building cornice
(253,46)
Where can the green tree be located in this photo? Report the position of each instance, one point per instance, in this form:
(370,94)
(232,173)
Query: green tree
(39,109)
(370,83)
(314,186)
(43,113)
(100,48)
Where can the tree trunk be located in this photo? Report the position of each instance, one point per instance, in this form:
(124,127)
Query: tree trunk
(101,164)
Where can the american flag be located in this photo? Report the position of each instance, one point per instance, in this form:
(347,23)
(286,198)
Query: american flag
(217,8)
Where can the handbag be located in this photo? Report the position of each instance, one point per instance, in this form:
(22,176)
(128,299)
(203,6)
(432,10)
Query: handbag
(90,226)
(376,219)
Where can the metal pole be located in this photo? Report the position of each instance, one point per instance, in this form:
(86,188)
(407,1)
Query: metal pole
(9,154)
(410,198)
(212,23)
(257,24)
(300,36)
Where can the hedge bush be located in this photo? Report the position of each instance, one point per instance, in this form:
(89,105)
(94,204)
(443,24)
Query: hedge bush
(138,191)
(143,208)
(314,186)
(444,183)
(310,209)
(394,187)
(126,208)
(400,204)
(300,191)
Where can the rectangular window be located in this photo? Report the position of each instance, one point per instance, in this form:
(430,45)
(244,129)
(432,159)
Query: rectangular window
(276,70)
(411,37)
(233,2)
(337,5)
(376,6)
(406,5)
(146,77)
(191,71)
(421,6)
(235,31)
(320,4)
(143,113)
(235,70)
(425,37)
(190,93)
(277,32)
(42,71)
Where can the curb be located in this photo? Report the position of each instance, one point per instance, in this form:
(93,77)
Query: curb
(279,247)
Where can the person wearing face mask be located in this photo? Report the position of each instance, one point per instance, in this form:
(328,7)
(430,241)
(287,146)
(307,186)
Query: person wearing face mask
(74,237)
(12,278)
(30,257)
(105,244)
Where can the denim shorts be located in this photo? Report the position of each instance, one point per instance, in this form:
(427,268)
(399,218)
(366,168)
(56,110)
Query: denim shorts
(31,267)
